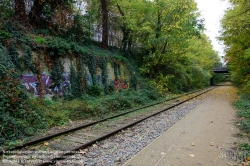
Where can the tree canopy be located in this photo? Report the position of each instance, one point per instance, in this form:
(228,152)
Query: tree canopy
(236,34)
(164,37)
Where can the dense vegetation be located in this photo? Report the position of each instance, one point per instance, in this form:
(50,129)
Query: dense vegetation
(161,42)
(236,34)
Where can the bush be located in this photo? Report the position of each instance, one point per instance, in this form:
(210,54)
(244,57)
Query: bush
(19,117)
(243,106)
(94,90)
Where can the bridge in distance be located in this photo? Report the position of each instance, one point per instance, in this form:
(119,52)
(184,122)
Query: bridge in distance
(218,70)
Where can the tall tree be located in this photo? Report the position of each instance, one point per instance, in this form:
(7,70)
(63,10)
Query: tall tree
(105,30)
(236,35)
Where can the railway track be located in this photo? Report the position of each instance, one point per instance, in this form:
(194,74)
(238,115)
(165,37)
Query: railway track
(66,143)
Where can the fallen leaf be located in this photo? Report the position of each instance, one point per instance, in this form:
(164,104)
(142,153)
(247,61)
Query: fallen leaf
(192,155)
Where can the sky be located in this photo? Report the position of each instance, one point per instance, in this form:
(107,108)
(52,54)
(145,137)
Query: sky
(212,11)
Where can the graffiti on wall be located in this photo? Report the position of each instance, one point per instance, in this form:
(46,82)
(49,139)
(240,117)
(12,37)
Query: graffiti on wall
(31,84)
(98,77)
(29,80)
(120,83)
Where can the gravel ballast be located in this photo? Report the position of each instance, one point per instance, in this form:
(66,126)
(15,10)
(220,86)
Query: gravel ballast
(118,149)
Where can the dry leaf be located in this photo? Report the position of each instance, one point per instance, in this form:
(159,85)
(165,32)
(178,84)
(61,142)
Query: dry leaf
(192,155)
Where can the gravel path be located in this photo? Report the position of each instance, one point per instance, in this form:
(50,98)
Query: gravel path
(205,137)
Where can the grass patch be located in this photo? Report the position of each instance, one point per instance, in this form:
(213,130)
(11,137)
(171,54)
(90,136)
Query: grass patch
(243,106)
(61,112)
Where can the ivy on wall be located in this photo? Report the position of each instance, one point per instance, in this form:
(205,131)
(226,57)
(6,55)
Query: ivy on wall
(75,82)
(91,62)
(14,56)
(55,48)
(102,63)
(18,116)
(27,57)
(57,73)
(82,75)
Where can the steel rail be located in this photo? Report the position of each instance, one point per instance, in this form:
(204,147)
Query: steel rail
(48,137)
(71,152)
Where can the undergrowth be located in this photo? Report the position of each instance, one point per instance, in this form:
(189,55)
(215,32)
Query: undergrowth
(243,106)
(58,112)
(19,117)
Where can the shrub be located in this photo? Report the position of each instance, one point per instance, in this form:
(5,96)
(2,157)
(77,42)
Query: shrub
(94,90)
(19,117)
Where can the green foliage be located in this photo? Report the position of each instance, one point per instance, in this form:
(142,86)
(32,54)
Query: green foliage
(6,8)
(245,147)
(82,29)
(94,90)
(27,56)
(4,34)
(40,40)
(57,73)
(58,113)
(243,113)
(74,82)
(243,105)
(180,57)
(19,117)
(236,36)
(42,31)
(57,47)
(219,78)
(133,82)
(14,56)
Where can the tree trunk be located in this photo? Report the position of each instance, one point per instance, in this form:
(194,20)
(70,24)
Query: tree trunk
(127,39)
(36,12)
(105,31)
(20,10)
(158,29)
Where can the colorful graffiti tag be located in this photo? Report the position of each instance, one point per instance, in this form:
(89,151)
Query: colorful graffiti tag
(120,83)
(30,83)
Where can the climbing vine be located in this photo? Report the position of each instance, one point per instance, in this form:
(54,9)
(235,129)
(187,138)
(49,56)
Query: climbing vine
(57,74)
(75,82)
(117,70)
(18,116)
(91,62)
(14,56)
(102,63)
(27,57)
(82,76)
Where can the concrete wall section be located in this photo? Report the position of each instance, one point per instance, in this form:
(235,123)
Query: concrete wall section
(29,80)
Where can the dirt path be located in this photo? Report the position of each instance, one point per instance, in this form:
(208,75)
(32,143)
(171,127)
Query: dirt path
(199,139)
